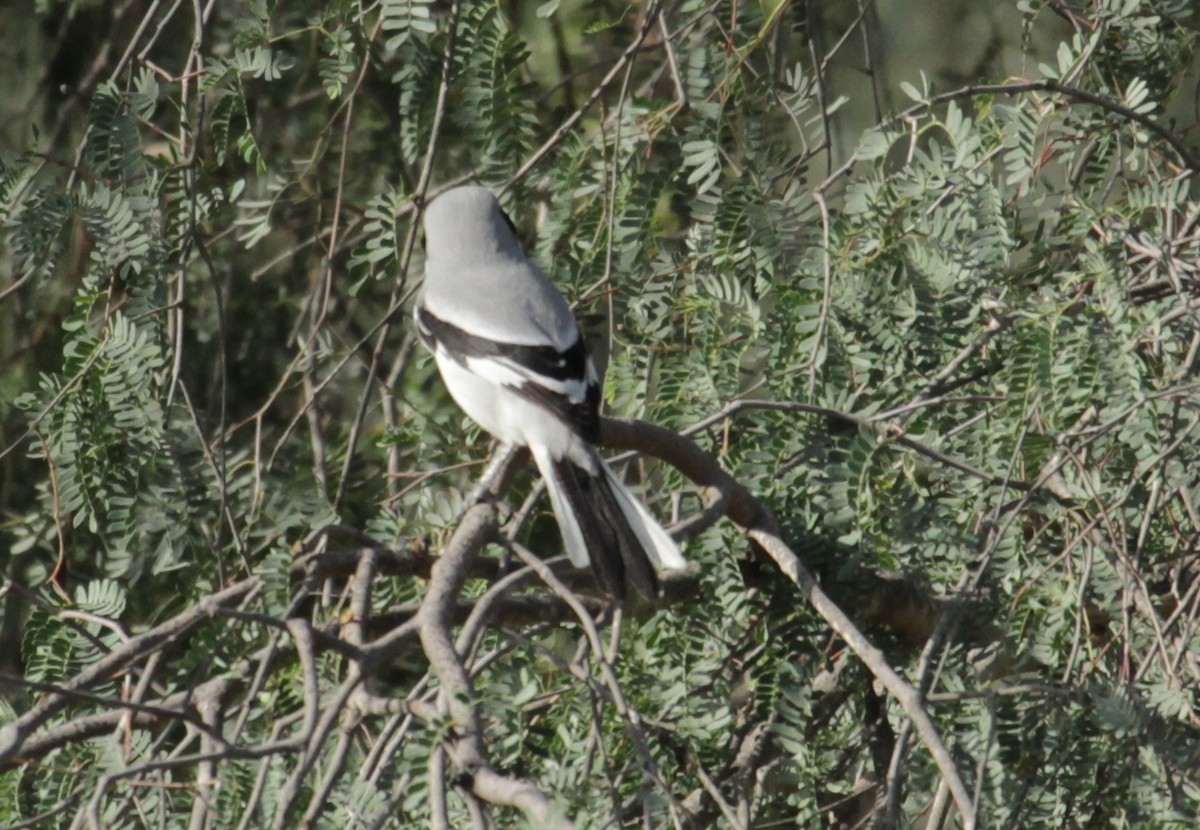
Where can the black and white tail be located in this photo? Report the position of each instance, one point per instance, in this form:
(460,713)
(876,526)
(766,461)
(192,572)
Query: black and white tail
(605,525)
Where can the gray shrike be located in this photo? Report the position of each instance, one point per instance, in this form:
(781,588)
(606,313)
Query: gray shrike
(513,358)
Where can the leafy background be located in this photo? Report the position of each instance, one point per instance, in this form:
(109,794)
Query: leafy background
(923,278)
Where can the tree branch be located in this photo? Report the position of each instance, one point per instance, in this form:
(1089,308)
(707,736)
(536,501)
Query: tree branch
(12,735)
(760,525)
(465,744)
(1189,159)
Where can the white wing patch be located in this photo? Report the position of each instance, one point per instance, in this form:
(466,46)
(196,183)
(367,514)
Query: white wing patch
(504,372)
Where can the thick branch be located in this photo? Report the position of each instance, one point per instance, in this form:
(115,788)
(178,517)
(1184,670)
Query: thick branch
(760,525)
(441,610)
(684,455)
(435,619)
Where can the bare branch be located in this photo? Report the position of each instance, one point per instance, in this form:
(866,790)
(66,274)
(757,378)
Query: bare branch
(465,744)
(12,735)
(761,526)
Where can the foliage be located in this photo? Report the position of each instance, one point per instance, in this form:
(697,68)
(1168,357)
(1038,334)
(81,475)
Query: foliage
(955,350)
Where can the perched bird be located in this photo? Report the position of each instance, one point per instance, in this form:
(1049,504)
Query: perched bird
(512,356)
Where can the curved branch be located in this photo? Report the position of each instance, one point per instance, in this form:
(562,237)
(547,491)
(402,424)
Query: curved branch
(464,742)
(760,525)
(686,456)
(441,610)
(13,735)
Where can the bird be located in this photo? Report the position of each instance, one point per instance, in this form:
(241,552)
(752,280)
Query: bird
(513,358)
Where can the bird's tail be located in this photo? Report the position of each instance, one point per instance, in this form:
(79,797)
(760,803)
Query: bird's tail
(605,525)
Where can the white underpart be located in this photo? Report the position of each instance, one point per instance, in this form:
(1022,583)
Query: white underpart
(500,410)
(483,390)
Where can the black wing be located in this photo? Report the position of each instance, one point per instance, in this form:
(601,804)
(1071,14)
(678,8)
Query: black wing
(562,381)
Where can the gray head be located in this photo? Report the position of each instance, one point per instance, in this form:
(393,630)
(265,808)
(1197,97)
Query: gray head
(466,226)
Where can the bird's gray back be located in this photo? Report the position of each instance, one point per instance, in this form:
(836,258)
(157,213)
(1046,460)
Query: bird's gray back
(507,300)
